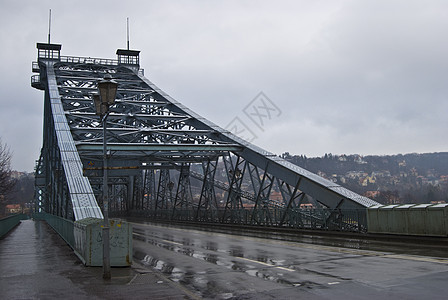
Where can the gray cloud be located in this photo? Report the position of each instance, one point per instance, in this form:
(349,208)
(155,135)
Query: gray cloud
(363,77)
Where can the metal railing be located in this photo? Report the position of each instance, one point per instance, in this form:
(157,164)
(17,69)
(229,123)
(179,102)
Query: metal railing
(64,227)
(348,220)
(35,66)
(35,79)
(8,223)
(89,60)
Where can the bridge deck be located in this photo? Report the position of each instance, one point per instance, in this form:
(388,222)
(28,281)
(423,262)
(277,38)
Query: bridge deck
(187,263)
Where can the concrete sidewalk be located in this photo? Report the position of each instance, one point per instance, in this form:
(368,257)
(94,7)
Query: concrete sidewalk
(35,263)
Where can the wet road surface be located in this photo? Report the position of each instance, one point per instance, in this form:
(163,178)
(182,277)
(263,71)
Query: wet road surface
(216,265)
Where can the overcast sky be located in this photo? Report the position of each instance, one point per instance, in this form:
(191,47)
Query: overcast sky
(366,77)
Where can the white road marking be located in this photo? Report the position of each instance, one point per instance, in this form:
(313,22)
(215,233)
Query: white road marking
(265,264)
(286,269)
(171,242)
(255,261)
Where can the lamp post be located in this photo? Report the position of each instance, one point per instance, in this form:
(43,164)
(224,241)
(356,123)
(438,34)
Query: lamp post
(106,97)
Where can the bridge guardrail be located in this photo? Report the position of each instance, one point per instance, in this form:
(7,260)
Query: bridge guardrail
(35,79)
(348,220)
(8,223)
(89,60)
(63,227)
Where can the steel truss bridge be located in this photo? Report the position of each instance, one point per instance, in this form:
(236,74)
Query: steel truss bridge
(165,161)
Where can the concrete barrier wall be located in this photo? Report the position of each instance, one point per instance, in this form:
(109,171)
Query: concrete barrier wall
(409,219)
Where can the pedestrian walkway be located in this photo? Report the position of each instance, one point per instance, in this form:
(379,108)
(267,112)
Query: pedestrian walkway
(35,263)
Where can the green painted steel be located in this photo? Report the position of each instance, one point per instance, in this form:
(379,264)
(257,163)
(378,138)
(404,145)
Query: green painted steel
(158,147)
(62,226)
(409,219)
(8,223)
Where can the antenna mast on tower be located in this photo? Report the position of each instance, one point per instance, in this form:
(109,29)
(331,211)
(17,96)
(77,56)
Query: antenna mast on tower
(49,27)
(128,31)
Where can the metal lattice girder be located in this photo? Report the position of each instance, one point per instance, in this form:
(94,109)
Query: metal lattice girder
(164,191)
(207,199)
(149,129)
(40,187)
(235,174)
(327,192)
(184,197)
(149,190)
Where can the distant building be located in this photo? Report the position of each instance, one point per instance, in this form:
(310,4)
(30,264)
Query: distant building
(306,206)
(367,180)
(342,158)
(372,194)
(13,209)
(277,196)
(359,160)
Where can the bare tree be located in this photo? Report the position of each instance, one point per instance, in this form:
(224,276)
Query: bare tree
(6,181)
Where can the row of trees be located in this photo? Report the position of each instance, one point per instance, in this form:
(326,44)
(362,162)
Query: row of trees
(6,181)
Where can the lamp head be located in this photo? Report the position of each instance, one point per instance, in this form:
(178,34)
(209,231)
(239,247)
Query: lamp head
(99,107)
(108,90)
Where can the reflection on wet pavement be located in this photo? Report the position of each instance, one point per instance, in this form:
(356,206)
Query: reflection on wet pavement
(271,267)
(198,281)
(349,242)
(276,261)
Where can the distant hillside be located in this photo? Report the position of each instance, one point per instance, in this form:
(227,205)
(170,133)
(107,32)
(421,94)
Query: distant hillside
(408,178)
(23,191)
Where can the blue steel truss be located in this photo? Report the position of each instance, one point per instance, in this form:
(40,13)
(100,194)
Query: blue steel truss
(164,160)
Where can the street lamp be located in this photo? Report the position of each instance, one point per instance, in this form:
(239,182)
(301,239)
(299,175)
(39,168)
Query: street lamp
(107,91)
